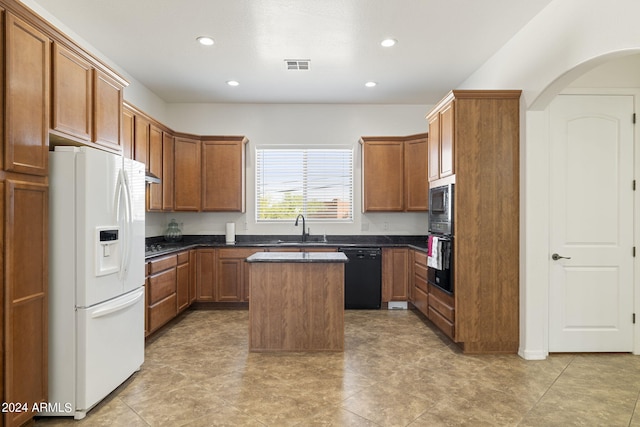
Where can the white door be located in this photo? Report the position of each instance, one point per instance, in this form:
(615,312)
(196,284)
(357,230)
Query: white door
(591,226)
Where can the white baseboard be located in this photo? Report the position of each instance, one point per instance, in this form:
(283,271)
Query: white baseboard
(533,354)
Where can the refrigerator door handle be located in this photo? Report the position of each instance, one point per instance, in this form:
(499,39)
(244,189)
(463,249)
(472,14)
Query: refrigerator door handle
(119,190)
(121,305)
(129,220)
(123,199)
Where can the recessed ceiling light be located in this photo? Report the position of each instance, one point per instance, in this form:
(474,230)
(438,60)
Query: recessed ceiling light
(233,83)
(205,41)
(370,84)
(388,42)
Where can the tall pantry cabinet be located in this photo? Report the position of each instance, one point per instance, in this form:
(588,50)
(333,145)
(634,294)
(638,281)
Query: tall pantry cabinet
(24,215)
(474,143)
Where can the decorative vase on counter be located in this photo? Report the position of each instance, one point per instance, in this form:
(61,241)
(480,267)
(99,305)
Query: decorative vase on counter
(173,233)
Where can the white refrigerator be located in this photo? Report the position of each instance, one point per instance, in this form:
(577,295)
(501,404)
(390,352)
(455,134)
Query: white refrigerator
(96,276)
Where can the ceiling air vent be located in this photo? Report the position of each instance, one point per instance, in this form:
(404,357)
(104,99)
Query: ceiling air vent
(298,64)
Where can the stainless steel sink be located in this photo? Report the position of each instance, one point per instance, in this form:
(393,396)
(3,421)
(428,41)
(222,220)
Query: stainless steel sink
(290,243)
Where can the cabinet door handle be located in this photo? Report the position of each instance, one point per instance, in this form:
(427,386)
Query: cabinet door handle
(556,257)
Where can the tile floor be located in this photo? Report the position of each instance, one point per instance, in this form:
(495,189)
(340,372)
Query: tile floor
(396,371)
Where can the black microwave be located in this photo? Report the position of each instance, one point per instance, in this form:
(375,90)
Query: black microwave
(441,209)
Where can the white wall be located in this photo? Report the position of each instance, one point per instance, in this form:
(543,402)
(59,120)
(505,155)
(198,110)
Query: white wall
(567,39)
(563,41)
(299,124)
(136,92)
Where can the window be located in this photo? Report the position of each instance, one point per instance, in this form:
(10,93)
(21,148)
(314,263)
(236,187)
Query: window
(317,183)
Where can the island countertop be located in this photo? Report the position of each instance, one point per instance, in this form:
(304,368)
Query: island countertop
(299,257)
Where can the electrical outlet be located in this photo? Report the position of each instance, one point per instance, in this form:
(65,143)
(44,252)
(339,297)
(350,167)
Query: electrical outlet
(386,226)
(246,226)
(364,226)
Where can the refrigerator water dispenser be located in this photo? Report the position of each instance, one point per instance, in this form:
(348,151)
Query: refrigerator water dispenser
(107,250)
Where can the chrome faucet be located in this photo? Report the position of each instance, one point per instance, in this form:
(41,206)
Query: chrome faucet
(304,234)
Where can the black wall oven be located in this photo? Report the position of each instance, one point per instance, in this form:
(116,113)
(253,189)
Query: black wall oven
(440,238)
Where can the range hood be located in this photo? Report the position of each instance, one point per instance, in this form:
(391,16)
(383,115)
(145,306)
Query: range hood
(150,178)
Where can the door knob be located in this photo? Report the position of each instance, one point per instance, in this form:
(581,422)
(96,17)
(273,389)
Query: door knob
(556,257)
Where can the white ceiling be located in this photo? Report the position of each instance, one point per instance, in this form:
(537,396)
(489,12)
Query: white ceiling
(440,43)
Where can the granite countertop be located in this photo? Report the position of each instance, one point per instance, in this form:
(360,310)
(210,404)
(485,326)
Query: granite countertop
(157,246)
(299,257)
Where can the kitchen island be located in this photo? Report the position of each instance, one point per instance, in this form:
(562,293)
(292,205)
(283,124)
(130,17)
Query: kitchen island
(296,301)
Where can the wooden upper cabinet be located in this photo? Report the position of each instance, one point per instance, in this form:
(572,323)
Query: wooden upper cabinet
(434,148)
(382,175)
(128,136)
(168,160)
(196,175)
(87,102)
(441,141)
(26,121)
(223,174)
(154,161)
(187,177)
(394,173)
(141,140)
(107,110)
(415,169)
(447,141)
(72,94)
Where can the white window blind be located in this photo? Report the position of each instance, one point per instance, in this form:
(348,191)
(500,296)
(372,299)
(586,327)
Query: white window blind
(317,183)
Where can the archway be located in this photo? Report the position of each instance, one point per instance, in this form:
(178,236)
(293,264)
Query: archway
(535,208)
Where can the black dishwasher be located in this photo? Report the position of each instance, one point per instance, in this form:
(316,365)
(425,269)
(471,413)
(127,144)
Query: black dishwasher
(363,278)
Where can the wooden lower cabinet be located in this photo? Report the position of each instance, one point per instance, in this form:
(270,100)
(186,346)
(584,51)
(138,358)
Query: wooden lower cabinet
(229,278)
(437,305)
(421,301)
(161,292)
(183,279)
(232,274)
(192,276)
(205,275)
(395,274)
(222,275)
(24,229)
(442,311)
(170,286)
(420,289)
